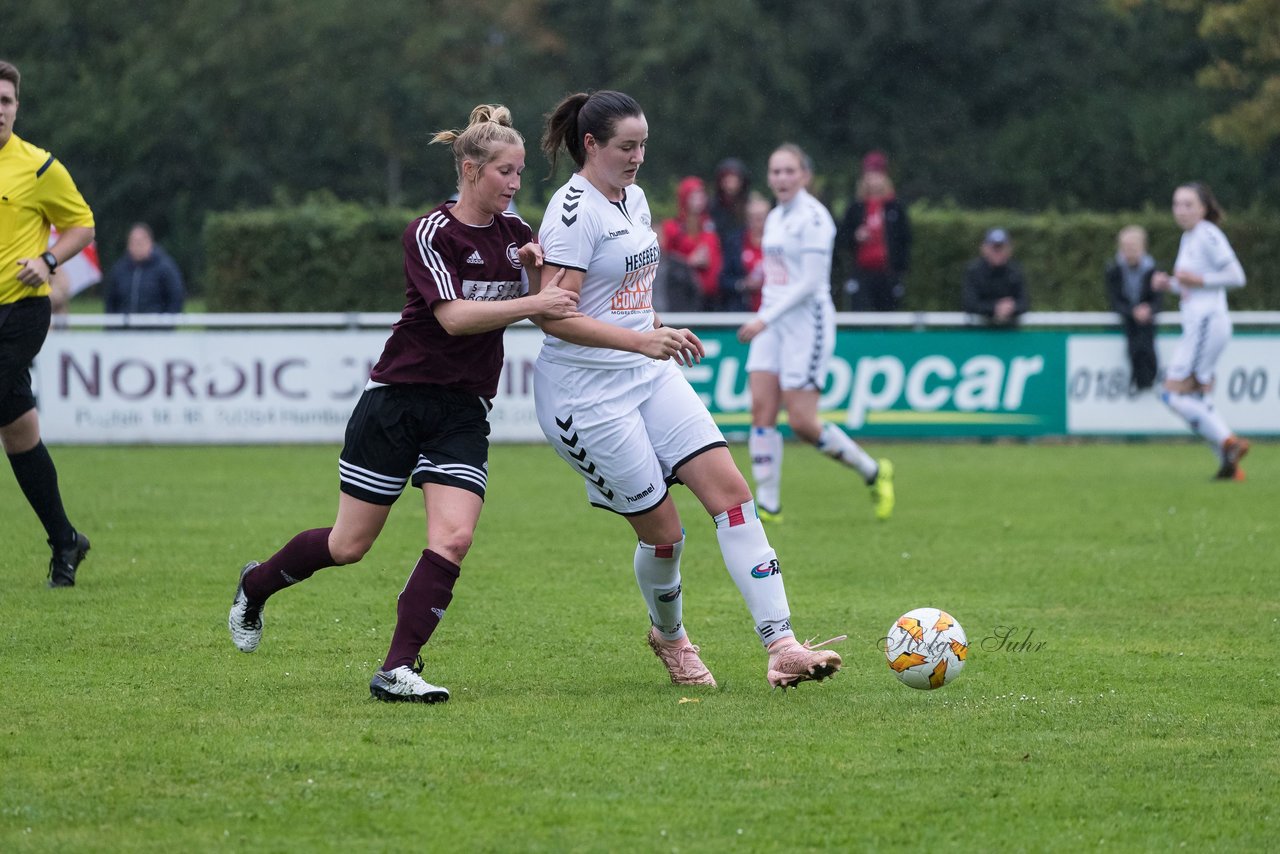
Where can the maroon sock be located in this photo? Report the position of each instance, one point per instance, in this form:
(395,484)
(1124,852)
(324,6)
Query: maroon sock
(421,607)
(297,561)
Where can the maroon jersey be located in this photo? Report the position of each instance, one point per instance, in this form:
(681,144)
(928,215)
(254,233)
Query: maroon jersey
(445,259)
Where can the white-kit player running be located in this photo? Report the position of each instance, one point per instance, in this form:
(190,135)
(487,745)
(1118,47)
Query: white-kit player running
(1205,267)
(793,337)
(613,404)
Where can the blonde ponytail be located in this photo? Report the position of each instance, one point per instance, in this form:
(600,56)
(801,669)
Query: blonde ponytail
(490,125)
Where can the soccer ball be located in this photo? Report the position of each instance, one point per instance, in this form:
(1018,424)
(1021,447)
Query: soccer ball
(926,648)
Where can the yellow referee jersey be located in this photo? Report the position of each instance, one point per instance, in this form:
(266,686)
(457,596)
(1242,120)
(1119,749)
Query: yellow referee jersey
(35,191)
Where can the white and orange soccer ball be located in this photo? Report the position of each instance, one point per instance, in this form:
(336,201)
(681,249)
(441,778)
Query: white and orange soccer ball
(926,648)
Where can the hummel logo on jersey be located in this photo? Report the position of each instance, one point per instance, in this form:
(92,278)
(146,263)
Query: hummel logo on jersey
(474,257)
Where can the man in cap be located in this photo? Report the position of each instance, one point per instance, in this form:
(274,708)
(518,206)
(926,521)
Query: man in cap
(994,287)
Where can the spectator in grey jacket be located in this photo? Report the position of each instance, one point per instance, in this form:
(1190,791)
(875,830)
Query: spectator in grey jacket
(1129,290)
(994,287)
(145,280)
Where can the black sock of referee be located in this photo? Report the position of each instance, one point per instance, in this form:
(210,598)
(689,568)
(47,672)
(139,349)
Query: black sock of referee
(39,481)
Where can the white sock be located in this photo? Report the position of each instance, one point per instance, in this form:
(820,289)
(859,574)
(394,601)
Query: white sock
(765,446)
(753,566)
(1199,413)
(835,443)
(658,574)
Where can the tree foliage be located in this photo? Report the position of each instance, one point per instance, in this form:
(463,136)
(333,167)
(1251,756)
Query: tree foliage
(1246,65)
(165,112)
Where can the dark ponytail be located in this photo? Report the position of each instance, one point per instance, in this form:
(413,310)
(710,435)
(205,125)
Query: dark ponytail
(580,114)
(1212,210)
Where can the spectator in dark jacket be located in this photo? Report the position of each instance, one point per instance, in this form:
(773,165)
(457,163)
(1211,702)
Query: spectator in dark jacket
(145,280)
(994,287)
(731,191)
(876,234)
(1129,292)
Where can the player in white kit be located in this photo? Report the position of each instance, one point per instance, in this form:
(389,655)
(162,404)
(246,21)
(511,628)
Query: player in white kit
(1205,268)
(613,404)
(793,337)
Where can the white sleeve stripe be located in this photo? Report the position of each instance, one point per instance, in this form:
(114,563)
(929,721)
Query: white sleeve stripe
(441,272)
(354,473)
(431,258)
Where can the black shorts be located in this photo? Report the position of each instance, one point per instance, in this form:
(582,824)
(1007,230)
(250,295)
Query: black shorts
(23,327)
(423,433)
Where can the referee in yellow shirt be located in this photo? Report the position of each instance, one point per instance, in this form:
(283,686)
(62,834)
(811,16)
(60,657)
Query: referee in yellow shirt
(36,191)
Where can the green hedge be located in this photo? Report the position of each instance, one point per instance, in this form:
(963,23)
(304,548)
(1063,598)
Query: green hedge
(321,255)
(325,255)
(1063,255)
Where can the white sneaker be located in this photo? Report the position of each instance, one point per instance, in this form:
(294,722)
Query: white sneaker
(404,685)
(245,619)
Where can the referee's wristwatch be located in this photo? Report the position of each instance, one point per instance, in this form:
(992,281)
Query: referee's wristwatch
(50,260)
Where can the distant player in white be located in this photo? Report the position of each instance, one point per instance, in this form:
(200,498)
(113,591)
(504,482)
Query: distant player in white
(613,404)
(1205,268)
(793,336)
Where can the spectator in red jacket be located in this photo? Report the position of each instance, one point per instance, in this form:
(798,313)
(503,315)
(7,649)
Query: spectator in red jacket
(690,239)
(876,235)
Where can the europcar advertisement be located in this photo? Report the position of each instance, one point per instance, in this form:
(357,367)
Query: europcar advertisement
(963,383)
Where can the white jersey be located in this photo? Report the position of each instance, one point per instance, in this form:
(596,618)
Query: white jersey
(798,241)
(1204,249)
(615,245)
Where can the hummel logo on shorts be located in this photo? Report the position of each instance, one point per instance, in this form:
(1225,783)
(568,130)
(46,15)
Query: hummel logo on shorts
(475,258)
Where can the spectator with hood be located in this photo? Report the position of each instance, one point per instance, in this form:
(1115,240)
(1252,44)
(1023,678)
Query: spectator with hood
(690,240)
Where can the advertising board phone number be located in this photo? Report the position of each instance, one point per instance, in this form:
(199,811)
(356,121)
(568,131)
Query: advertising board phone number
(1243,385)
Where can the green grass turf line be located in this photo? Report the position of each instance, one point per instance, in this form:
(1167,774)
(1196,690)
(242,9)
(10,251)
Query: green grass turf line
(1145,721)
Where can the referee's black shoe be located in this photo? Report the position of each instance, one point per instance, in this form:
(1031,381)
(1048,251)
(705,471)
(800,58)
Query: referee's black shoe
(66,560)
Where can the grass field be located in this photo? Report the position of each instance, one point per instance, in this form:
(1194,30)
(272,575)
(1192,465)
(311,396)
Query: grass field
(1142,715)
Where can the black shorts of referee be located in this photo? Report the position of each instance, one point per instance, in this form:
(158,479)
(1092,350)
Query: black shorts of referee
(23,327)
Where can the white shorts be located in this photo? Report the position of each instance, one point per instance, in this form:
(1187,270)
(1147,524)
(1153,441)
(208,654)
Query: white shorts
(797,347)
(625,432)
(1203,340)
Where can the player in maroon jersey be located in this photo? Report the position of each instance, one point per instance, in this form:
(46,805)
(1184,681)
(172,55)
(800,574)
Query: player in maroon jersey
(423,417)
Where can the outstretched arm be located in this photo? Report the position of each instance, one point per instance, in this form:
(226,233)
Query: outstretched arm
(468,317)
